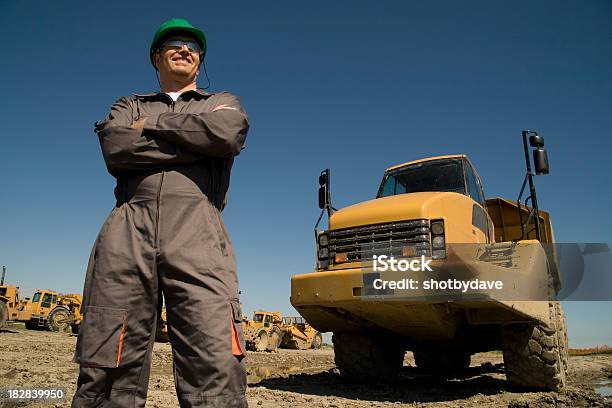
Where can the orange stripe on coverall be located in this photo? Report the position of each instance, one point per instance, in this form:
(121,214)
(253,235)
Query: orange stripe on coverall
(236,346)
(121,341)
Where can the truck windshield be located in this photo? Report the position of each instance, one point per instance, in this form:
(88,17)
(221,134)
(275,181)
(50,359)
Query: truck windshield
(36,297)
(258,318)
(437,175)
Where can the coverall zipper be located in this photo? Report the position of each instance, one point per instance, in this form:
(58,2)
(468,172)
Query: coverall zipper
(159,192)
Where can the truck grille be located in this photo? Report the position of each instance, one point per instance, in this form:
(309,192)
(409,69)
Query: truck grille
(380,239)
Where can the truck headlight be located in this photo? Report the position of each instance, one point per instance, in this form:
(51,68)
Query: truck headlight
(437,228)
(323,241)
(323,253)
(438,242)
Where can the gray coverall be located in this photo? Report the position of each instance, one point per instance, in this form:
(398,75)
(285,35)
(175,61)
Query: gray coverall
(165,234)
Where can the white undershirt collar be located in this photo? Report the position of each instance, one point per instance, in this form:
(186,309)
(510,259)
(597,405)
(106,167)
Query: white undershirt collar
(174,95)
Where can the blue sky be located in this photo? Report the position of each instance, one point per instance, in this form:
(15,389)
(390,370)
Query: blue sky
(356,86)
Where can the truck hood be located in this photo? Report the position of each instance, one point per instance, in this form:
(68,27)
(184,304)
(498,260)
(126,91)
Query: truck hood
(388,209)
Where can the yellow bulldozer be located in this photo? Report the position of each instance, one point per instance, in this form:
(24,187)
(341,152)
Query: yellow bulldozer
(431,215)
(51,310)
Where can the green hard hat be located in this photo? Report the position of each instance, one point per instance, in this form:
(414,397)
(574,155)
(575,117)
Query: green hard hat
(177,26)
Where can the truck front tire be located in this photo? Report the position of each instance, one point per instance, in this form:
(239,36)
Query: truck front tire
(363,357)
(536,356)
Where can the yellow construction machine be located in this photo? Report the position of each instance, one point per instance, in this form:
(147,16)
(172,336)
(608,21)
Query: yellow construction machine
(10,303)
(69,303)
(50,310)
(161,329)
(298,334)
(432,212)
(270,330)
(263,332)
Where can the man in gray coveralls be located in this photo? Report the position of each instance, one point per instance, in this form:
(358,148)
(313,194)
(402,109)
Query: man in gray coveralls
(171,153)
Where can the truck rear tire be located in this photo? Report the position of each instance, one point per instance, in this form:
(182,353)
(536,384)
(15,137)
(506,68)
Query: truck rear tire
(536,356)
(3,314)
(442,362)
(57,320)
(366,358)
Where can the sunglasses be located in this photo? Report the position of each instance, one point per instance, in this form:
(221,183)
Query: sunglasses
(178,44)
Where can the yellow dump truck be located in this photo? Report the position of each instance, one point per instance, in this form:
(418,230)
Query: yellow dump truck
(432,212)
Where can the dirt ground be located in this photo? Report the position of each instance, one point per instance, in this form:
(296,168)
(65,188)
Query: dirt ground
(292,378)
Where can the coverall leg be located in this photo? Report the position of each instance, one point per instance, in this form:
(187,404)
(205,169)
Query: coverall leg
(197,268)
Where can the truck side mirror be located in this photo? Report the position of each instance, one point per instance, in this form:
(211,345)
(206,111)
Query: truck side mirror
(322,195)
(536,141)
(324,198)
(540,160)
(323,190)
(323,178)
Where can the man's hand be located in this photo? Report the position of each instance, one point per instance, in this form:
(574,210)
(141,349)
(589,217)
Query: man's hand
(138,124)
(223,106)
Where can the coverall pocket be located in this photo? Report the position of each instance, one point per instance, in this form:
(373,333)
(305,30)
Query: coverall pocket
(238,343)
(101,337)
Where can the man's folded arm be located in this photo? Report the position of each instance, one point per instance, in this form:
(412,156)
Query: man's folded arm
(127,149)
(219,133)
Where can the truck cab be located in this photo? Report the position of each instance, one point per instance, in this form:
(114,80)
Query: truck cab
(445,174)
(266,319)
(420,208)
